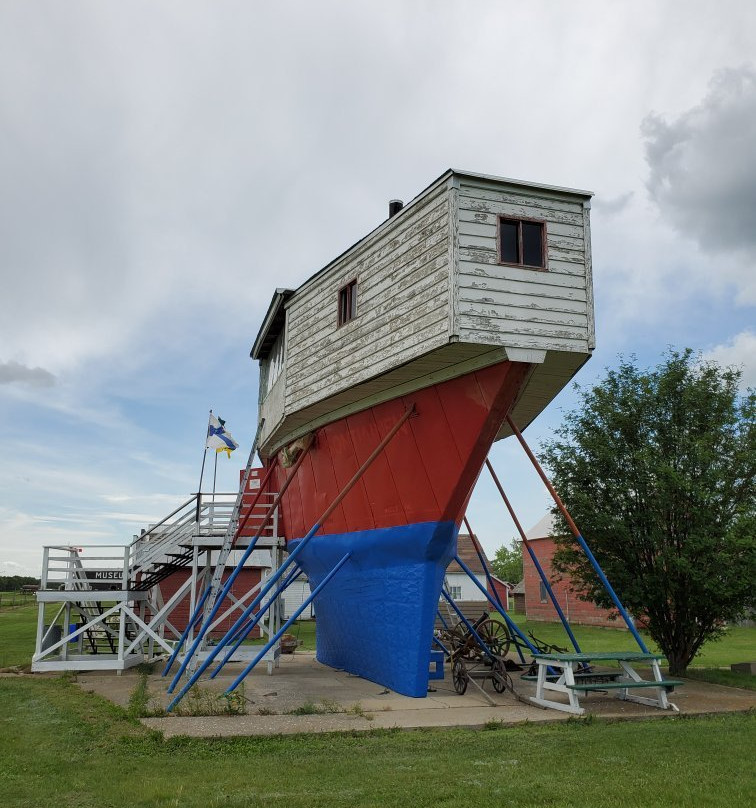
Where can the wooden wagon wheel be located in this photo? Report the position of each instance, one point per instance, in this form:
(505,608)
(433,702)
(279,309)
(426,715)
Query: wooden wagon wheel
(500,676)
(459,677)
(496,636)
(462,643)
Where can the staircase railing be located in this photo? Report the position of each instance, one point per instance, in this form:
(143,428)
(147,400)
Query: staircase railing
(201,515)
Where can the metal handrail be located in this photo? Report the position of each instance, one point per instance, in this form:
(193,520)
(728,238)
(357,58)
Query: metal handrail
(203,514)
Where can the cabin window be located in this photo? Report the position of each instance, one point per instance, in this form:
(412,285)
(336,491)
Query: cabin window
(522,242)
(273,365)
(348,302)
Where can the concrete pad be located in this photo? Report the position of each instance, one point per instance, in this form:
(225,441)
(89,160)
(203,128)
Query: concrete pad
(347,703)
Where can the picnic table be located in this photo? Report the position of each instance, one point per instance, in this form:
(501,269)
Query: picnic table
(564,674)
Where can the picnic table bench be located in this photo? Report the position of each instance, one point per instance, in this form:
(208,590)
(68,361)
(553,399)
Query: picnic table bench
(560,673)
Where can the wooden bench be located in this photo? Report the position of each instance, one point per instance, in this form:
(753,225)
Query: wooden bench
(594,678)
(570,681)
(668,684)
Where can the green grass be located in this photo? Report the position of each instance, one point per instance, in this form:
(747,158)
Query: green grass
(738,644)
(18,630)
(12,600)
(725,677)
(64,747)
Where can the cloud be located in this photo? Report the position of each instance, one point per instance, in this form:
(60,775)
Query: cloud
(702,175)
(13,568)
(610,206)
(739,352)
(14,372)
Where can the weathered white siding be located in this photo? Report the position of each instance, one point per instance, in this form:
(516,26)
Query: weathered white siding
(465,588)
(433,302)
(514,306)
(293,597)
(402,275)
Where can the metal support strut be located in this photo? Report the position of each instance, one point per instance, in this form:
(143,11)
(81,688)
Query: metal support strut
(231,578)
(295,552)
(578,536)
(229,540)
(541,574)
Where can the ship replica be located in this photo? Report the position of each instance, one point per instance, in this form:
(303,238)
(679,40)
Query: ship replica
(470,303)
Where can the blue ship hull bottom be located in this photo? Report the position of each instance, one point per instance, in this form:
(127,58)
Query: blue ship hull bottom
(375,618)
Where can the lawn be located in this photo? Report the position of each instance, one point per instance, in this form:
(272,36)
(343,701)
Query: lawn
(65,747)
(738,644)
(18,628)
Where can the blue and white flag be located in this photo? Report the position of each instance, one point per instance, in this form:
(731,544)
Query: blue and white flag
(218,437)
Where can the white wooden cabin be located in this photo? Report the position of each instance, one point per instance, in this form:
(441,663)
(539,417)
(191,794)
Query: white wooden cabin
(473,271)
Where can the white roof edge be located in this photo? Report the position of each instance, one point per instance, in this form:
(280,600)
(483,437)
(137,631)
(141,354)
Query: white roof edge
(543,528)
(522,183)
(445,176)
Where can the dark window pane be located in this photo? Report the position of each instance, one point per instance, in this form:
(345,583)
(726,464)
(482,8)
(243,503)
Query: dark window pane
(532,244)
(508,242)
(348,303)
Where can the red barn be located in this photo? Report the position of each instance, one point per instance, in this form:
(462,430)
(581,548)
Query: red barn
(179,617)
(538,605)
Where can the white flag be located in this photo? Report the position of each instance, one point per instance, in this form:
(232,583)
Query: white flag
(218,438)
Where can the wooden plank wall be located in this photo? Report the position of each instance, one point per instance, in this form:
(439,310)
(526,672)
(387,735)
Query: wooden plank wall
(514,306)
(402,306)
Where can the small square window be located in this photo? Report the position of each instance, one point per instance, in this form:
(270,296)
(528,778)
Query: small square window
(522,242)
(348,302)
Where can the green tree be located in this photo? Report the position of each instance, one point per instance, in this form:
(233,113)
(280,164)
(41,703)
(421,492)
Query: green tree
(657,469)
(507,563)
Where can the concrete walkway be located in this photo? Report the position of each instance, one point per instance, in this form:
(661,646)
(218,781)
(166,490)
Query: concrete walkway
(347,703)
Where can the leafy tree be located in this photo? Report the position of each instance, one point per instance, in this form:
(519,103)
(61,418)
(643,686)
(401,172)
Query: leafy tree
(657,469)
(507,563)
(13,583)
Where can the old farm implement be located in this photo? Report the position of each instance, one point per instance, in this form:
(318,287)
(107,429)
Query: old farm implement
(477,651)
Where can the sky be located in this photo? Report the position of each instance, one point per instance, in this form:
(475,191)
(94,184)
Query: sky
(164,166)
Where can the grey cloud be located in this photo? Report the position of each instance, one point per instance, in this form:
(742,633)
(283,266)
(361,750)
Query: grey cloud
(702,174)
(738,352)
(14,372)
(611,206)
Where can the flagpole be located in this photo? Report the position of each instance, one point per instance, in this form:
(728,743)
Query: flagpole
(202,471)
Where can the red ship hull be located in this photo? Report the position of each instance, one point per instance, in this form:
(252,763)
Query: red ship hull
(398,526)
(426,472)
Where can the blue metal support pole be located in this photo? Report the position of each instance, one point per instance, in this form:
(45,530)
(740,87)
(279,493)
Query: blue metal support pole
(231,578)
(243,632)
(286,625)
(581,541)
(302,543)
(293,575)
(441,646)
(483,563)
(510,623)
(189,626)
(539,569)
(198,609)
(468,625)
(244,617)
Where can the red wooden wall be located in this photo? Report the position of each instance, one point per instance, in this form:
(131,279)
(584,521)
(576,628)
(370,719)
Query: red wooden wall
(576,610)
(180,615)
